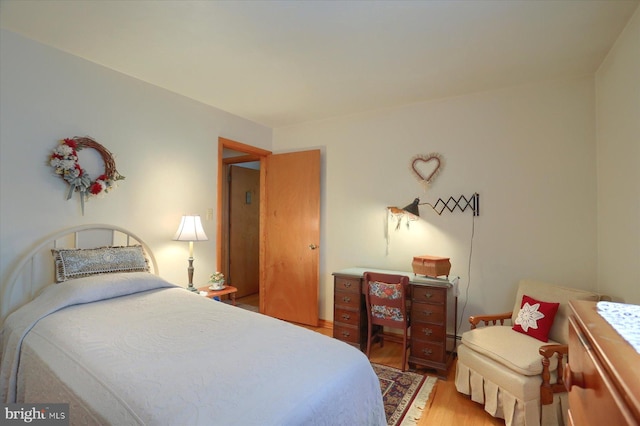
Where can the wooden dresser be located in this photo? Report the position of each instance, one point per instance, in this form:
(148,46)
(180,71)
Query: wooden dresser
(433,309)
(603,375)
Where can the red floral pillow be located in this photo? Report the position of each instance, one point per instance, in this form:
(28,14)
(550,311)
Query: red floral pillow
(535,318)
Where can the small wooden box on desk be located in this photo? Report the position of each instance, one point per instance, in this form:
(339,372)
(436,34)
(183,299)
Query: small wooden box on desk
(434,307)
(431,266)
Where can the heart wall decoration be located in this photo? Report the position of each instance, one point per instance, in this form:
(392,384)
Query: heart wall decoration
(426,167)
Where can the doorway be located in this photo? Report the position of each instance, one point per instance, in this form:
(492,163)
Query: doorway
(238,214)
(289,232)
(243,183)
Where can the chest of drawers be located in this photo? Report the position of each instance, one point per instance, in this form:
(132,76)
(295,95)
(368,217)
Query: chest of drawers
(602,375)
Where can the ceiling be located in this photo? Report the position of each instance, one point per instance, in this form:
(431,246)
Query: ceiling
(281,63)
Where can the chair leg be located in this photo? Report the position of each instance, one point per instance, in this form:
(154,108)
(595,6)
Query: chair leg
(404,352)
(369,339)
(376,334)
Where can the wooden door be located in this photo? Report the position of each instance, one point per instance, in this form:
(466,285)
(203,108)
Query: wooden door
(291,236)
(244,219)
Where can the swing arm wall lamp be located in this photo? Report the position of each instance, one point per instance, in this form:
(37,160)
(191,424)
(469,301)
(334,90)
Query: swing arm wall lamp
(461,203)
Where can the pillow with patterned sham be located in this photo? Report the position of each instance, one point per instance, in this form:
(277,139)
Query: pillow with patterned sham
(76,263)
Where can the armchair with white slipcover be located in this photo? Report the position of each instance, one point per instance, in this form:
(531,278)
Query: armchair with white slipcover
(512,369)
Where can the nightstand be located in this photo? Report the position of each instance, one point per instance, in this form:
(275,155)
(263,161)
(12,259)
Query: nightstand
(227,290)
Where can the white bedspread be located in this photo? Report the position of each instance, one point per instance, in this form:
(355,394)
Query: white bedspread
(164,356)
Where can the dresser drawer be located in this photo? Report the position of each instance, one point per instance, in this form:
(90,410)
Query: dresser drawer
(429,294)
(428,351)
(349,285)
(428,332)
(346,333)
(596,385)
(425,312)
(347,300)
(346,316)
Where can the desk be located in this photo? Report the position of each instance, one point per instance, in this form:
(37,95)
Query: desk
(434,303)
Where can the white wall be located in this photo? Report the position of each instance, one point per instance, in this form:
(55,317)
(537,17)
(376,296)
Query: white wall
(165,145)
(618,142)
(530,153)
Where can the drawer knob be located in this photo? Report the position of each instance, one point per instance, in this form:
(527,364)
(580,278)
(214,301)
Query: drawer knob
(346,316)
(346,299)
(427,331)
(347,284)
(427,313)
(573,378)
(428,295)
(427,352)
(346,334)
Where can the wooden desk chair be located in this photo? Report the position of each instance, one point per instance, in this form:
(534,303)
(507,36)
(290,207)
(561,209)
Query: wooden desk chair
(386,301)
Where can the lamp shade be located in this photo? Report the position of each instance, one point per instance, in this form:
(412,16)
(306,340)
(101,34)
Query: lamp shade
(413,207)
(190,229)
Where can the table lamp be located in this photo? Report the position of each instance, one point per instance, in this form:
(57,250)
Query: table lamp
(191,230)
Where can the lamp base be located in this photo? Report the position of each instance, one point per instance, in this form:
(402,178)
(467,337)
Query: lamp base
(190,273)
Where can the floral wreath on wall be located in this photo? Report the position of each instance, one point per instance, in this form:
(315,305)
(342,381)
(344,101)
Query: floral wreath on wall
(64,161)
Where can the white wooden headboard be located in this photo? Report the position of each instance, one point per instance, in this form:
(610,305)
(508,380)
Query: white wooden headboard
(36,270)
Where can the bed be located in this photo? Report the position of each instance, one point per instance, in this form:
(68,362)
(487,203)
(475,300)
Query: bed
(126,347)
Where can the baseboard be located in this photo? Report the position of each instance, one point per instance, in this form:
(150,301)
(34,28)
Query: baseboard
(325,324)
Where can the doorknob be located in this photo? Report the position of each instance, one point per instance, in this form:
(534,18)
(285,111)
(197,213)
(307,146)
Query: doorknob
(313,246)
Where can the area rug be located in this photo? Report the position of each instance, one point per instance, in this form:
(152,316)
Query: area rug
(405,394)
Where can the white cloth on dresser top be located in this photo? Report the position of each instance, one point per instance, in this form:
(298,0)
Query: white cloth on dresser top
(625,319)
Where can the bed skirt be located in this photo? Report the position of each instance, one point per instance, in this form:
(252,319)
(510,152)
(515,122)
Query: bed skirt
(500,403)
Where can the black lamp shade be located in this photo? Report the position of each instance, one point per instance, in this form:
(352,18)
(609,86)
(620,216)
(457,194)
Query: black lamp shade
(413,207)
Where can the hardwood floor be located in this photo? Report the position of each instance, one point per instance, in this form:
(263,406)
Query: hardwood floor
(446,407)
